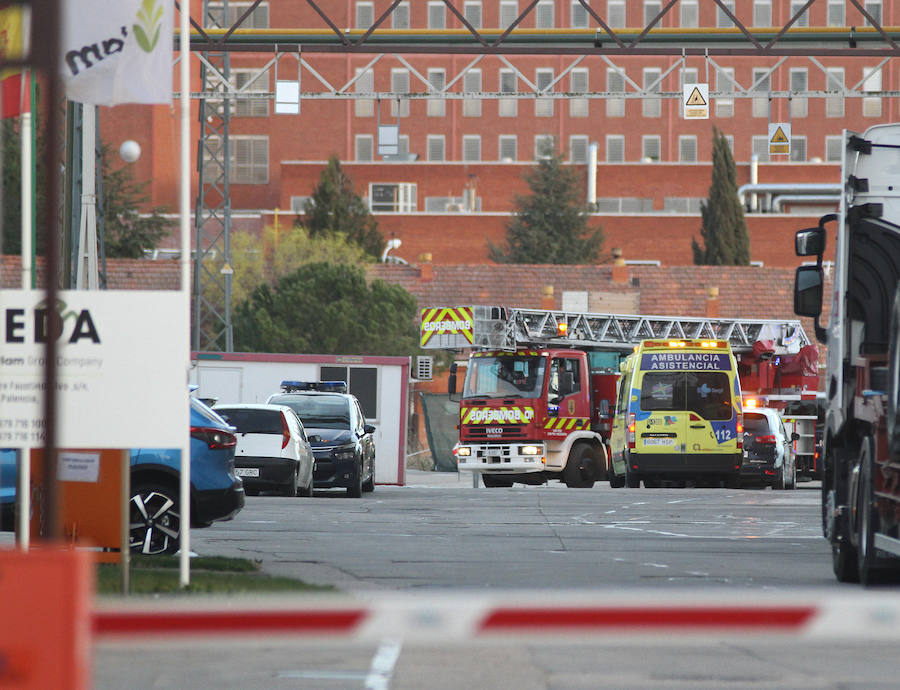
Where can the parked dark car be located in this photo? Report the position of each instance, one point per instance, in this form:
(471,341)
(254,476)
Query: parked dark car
(768,452)
(343,444)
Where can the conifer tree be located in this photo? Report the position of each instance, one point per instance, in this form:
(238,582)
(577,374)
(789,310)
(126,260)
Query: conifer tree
(723,228)
(335,208)
(550,225)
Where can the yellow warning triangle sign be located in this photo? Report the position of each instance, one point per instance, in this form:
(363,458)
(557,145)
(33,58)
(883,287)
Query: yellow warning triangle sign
(779,137)
(696,98)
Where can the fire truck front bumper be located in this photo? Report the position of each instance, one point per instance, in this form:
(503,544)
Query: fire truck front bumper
(512,458)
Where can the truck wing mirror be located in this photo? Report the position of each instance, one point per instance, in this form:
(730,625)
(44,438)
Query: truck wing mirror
(451,381)
(808,282)
(808,285)
(810,242)
(567,384)
(795,436)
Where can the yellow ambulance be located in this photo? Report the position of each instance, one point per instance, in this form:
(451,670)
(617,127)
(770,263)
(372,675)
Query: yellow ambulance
(678,415)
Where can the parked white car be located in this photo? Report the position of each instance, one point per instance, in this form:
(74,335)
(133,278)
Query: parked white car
(273,452)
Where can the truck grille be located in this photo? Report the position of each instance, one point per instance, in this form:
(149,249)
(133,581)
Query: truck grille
(506,432)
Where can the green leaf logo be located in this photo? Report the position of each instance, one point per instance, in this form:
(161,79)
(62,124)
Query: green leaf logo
(150,23)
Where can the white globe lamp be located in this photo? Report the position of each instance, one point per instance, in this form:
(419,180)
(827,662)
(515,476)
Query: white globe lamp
(130,151)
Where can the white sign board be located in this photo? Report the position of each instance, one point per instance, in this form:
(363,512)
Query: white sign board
(779,138)
(78,467)
(695,101)
(122,360)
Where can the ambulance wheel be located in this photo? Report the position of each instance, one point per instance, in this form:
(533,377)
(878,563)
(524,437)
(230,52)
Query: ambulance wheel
(493,482)
(615,481)
(632,480)
(579,470)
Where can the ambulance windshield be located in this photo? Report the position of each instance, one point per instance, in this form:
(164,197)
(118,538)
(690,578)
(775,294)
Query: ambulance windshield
(504,376)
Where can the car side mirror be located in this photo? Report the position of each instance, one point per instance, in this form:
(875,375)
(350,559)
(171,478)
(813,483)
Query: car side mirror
(369,429)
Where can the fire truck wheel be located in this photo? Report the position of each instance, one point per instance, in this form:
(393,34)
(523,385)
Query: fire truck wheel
(579,471)
(493,482)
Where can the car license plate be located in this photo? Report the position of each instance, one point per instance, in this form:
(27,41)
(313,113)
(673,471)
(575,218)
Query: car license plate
(247,471)
(659,441)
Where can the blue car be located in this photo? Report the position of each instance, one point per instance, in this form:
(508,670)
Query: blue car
(216,493)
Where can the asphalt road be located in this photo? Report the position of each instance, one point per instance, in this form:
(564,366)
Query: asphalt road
(440,540)
(439,532)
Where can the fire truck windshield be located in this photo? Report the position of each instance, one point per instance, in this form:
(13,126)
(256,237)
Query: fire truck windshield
(504,376)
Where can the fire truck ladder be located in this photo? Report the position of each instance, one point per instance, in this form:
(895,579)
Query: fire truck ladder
(503,328)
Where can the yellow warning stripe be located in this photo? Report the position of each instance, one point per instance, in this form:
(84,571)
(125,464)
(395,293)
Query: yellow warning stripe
(567,423)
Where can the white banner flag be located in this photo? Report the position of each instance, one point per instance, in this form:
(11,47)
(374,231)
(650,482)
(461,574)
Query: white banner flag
(118,51)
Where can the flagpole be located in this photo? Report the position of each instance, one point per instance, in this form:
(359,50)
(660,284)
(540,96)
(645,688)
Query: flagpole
(185,204)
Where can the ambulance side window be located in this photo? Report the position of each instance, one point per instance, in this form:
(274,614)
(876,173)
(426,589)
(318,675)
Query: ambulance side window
(622,401)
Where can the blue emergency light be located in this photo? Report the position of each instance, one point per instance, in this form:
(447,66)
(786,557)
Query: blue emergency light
(320,386)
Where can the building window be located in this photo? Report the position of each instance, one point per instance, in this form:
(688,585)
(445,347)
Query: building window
(760,148)
(365,83)
(615,148)
(652,107)
(392,197)
(834,146)
(364,148)
(543,107)
(507,145)
(250,81)
(803,19)
(578,83)
(437,15)
(580,17)
(543,147)
(834,81)
(729,139)
(400,16)
(798,149)
(472,13)
(687,75)
(471,107)
(761,80)
(871,105)
(365,15)
(651,9)
(400,85)
(725,83)
(436,106)
(436,147)
(836,13)
(799,83)
(578,149)
(650,147)
(687,148)
(509,12)
(690,14)
(507,107)
(723,21)
(762,13)
(874,10)
(298,204)
(217,17)
(471,145)
(615,83)
(249,160)
(615,14)
(543,15)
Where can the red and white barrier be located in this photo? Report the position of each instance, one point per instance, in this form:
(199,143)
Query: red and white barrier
(459,617)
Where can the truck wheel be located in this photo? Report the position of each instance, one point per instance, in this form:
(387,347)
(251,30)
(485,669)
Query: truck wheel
(893,401)
(843,555)
(579,471)
(493,482)
(870,571)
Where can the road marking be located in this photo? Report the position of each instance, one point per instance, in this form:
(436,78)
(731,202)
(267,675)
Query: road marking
(383,665)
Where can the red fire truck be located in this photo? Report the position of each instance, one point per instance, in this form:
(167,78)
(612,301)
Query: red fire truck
(540,385)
